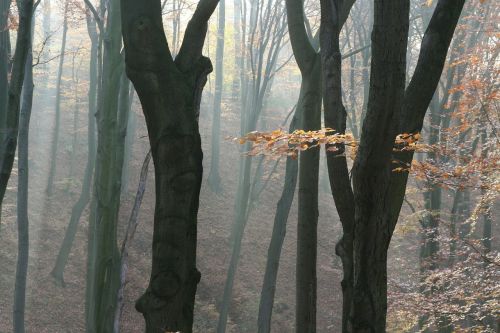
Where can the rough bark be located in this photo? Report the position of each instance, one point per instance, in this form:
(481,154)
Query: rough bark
(57,126)
(372,167)
(170,94)
(378,192)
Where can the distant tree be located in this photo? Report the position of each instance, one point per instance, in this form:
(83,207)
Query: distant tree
(262,50)
(84,198)
(214,180)
(57,123)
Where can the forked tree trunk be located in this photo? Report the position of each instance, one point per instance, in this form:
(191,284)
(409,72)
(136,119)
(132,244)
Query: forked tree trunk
(170,94)
(372,167)
(378,191)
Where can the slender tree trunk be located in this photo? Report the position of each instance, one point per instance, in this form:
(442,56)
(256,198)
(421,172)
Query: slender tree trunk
(22,193)
(238,58)
(129,237)
(104,256)
(129,143)
(487,217)
(429,246)
(4,68)
(170,93)
(76,114)
(78,208)
(237,232)
(10,127)
(333,16)
(278,236)
(308,208)
(4,58)
(47,35)
(214,180)
(55,133)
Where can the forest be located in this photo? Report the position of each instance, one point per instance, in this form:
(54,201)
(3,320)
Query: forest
(249,166)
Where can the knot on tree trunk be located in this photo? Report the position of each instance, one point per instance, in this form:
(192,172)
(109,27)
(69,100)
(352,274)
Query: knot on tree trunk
(168,303)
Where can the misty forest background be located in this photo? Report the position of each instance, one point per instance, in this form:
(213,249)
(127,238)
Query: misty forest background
(87,151)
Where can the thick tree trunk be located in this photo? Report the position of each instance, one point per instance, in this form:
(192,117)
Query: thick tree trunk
(372,167)
(57,126)
(379,193)
(22,194)
(214,180)
(9,127)
(170,94)
(77,210)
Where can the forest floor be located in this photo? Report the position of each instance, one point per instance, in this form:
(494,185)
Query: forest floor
(54,309)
